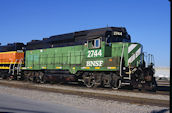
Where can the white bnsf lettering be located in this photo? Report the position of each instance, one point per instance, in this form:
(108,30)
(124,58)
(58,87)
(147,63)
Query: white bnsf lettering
(117,33)
(94,53)
(94,63)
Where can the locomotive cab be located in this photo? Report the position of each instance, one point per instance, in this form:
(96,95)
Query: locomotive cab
(116,36)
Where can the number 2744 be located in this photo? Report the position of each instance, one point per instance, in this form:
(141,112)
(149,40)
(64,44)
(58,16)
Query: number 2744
(94,53)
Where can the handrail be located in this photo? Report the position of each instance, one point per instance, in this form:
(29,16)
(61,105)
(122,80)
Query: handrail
(10,67)
(122,54)
(14,66)
(19,66)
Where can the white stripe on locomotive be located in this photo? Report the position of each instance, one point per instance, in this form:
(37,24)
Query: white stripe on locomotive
(134,56)
(131,47)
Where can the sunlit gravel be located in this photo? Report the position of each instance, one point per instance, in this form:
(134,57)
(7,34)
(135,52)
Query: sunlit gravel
(91,104)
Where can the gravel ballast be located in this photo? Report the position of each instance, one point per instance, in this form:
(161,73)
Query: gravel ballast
(91,104)
(87,90)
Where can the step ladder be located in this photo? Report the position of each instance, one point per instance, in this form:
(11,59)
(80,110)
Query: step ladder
(10,67)
(128,74)
(13,67)
(19,66)
(128,77)
(13,70)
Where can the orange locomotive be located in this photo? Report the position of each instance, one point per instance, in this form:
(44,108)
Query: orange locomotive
(12,57)
(10,62)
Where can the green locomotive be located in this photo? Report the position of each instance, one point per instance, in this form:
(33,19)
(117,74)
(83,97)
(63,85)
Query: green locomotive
(100,57)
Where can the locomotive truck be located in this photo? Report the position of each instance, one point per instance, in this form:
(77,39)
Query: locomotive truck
(97,57)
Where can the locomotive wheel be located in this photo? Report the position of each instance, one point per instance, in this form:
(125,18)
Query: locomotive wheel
(4,74)
(27,74)
(116,82)
(44,78)
(37,79)
(32,77)
(10,77)
(107,79)
(89,80)
(97,79)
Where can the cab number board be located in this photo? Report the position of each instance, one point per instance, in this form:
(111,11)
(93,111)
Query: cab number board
(94,53)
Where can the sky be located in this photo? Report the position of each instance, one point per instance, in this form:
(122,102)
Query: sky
(147,21)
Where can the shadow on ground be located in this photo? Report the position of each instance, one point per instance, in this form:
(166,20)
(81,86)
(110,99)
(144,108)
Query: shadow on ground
(16,110)
(161,111)
(163,88)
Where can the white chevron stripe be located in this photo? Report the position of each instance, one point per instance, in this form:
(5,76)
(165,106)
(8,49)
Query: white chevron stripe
(134,56)
(131,47)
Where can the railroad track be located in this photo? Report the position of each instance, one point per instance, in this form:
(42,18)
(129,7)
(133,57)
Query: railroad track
(100,93)
(161,89)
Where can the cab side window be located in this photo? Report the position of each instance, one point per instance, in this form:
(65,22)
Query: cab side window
(95,43)
(90,44)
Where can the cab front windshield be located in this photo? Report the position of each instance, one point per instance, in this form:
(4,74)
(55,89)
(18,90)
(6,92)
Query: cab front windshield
(117,37)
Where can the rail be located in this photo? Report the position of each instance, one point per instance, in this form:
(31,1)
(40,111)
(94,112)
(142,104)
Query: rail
(127,96)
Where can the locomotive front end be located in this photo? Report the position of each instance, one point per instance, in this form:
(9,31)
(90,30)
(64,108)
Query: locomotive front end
(141,72)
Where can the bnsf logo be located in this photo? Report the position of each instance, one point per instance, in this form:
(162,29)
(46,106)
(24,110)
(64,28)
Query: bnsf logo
(94,63)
